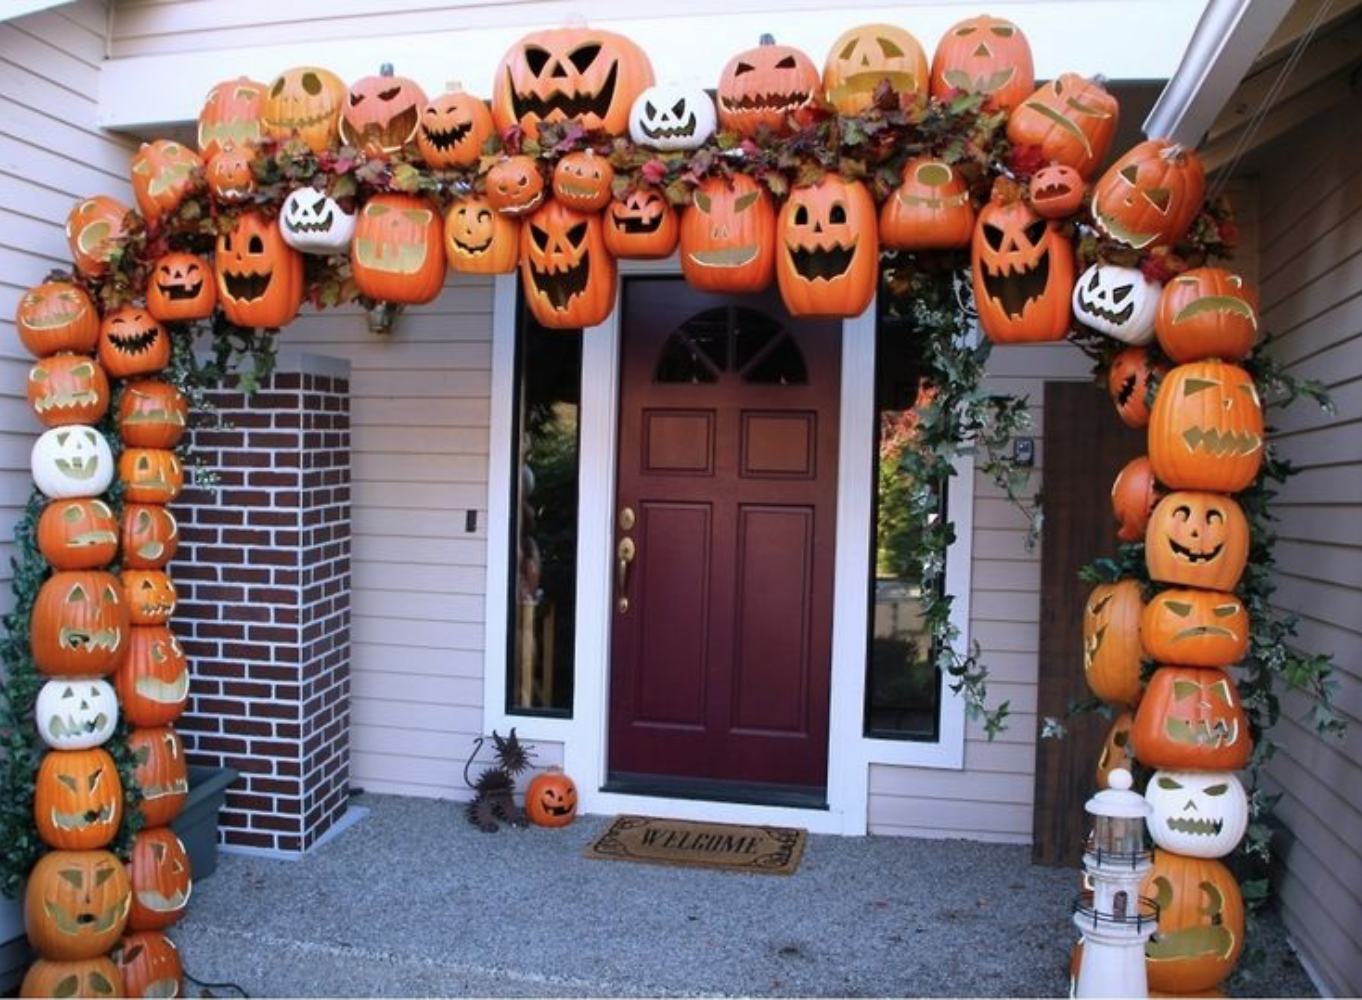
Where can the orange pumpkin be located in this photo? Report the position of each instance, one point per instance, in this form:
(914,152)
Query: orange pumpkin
(1192,719)
(150,475)
(1207,312)
(76,904)
(150,965)
(1197,540)
(161,884)
(641,226)
(452,130)
(1150,195)
(1056,191)
(79,625)
(151,414)
(231,116)
(984,55)
(930,210)
(515,186)
(77,799)
(728,236)
(1116,750)
(1198,628)
(1111,642)
(864,57)
(765,87)
(567,275)
(153,680)
(259,276)
(57,316)
(88,977)
(551,799)
(581,180)
(150,594)
(1023,275)
(93,230)
(148,537)
(398,249)
(1206,430)
(160,771)
(1071,119)
(68,389)
(131,342)
(479,239)
(162,175)
(78,534)
(181,288)
(305,103)
(828,262)
(569,73)
(231,174)
(1201,923)
(1132,372)
(382,112)
(1133,496)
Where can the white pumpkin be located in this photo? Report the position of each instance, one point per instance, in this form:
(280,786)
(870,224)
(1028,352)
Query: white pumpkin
(1117,301)
(76,713)
(313,222)
(72,461)
(670,116)
(1202,814)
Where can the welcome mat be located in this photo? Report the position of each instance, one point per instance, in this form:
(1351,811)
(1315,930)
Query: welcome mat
(772,850)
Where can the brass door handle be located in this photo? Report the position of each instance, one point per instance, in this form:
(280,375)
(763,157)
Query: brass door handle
(626,552)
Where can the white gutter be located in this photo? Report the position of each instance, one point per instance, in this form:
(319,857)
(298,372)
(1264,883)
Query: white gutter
(10,9)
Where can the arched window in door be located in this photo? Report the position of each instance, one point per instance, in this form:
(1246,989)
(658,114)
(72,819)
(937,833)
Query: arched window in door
(731,342)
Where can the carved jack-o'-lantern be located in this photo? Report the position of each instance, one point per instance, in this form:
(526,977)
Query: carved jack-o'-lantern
(1023,274)
(1150,195)
(231,116)
(984,55)
(1071,119)
(641,226)
(1199,628)
(160,771)
(68,389)
(551,799)
(827,263)
(131,342)
(565,73)
(398,249)
(1191,718)
(92,231)
(728,236)
(567,274)
(479,239)
(150,594)
(162,174)
(1207,312)
(1196,813)
(764,87)
(382,112)
(151,414)
(1056,191)
(260,277)
(72,461)
(670,116)
(305,102)
(1116,750)
(161,883)
(148,537)
(311,221)
(515,186)
(77,799)
(150,964)
(150,475)
(864,57)
(1201,923)
(88,977)
(57,316)
(1197,540)
(453,129)
(581,181)
(78,534)
(79,624)
(76,713)
(1117,301)
(181,288)
(1128,380)
(76,904)
(1133,496)
(1206,429)
(1111,642)
(153,680)
(231,174)
(930,210)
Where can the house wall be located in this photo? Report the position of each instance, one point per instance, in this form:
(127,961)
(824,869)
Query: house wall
(1310,200)
(51,154)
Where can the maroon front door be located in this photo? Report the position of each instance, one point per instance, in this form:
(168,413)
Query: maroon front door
(724,530)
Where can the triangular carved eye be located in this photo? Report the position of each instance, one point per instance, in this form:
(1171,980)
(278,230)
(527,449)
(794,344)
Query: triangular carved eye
(537,58)
(890,50)
(742,68)
(1160,198)
(540,237)
(649,110)
(577,235)
(583,56)
(787,63)
(679,108)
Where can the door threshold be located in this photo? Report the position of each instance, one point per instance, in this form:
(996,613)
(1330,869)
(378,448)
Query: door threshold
(717,790)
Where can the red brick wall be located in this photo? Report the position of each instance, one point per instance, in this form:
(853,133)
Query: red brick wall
(263,572)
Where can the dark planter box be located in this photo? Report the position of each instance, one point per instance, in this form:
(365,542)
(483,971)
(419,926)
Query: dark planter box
(197,823)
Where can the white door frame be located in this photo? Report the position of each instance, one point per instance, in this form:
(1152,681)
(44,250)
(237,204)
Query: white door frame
(584,736)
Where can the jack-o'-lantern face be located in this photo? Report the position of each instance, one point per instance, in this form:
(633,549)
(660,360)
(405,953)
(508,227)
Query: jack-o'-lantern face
(1197,814)
(78,534)
(381,113)
(131,342)
(1133,496)
(864,57)
(1201,923)
(76,713)
(153,680)
(151,414)
(231,174)
(259,276)
(305,102)
(1150,195)
(641,226)
(728,236)
(582,181)
(149,963)
(668,117)
(57,316)
(150,475)
(181,288)
(1117,301)
(311,221)
(566,73)
(68,389)
(567,275)
(479,239)
(77,799)
(828,259)
(1197,540)
(1111,642)
(149,536)
(231,116)
(931,209)
(162,174)
(80,624)
(984,55)
(1199,628)
(1023,275)
(1116,751)
(1206,429)
(1057,191)
(161,884)
(1071,120)
(452,130)
(1192,719)
(398,249)
(515,186)
(1207,312)
(72,461)
(150,595)
(764,87)
(93,230)
(91,977)
(551,799)
(1129,379)
(160,771)
(76,904)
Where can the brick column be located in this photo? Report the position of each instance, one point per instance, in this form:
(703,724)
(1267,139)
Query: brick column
(263,573)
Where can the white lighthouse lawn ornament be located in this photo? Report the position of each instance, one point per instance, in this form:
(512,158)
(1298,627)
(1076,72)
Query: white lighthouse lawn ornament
(1114,920)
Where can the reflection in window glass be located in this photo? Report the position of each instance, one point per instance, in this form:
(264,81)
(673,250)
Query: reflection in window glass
(902,681)
(544,584)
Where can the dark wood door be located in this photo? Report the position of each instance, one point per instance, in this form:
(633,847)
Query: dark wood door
(1086,445)
(727,491)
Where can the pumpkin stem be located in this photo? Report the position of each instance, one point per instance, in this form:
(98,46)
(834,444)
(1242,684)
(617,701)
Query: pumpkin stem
(386,69)
(766,38)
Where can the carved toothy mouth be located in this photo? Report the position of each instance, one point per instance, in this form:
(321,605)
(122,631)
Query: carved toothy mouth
(569,191)
(1184,553)
(157,610)
(1221,443)
(156,416)
(78,639)
(400,128)
(474,250)
(634,225)
(87,922)
(1121,234)
(322,225)
(78,468)
(57,319)
(176,786)
(71,726)
(301,123)
(1223,733)
(164,692)
(1099,312)
(865,83)
(684,131)
(1127,391)
(66,401)
(559,287)
(782,103)
(1016,287)
(80,821)
(135,343)
(248,286)
(822,263)
(726,257)
(446,139)
(924,201)
(1197,631)
(981,84)
(229,133)
(559,105)
(1196,827)
(88,538)
(557,810)
(178,293)
(407,258)
(160,903)
(1192,942)
(1051,192)
(1217,303)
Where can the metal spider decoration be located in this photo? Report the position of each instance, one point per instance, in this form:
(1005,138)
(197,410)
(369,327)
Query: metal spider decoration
(495,786)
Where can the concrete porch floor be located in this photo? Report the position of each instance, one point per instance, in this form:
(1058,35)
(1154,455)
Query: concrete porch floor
(412,901)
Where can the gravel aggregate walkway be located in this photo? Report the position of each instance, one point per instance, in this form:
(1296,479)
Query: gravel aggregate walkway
(412,901)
